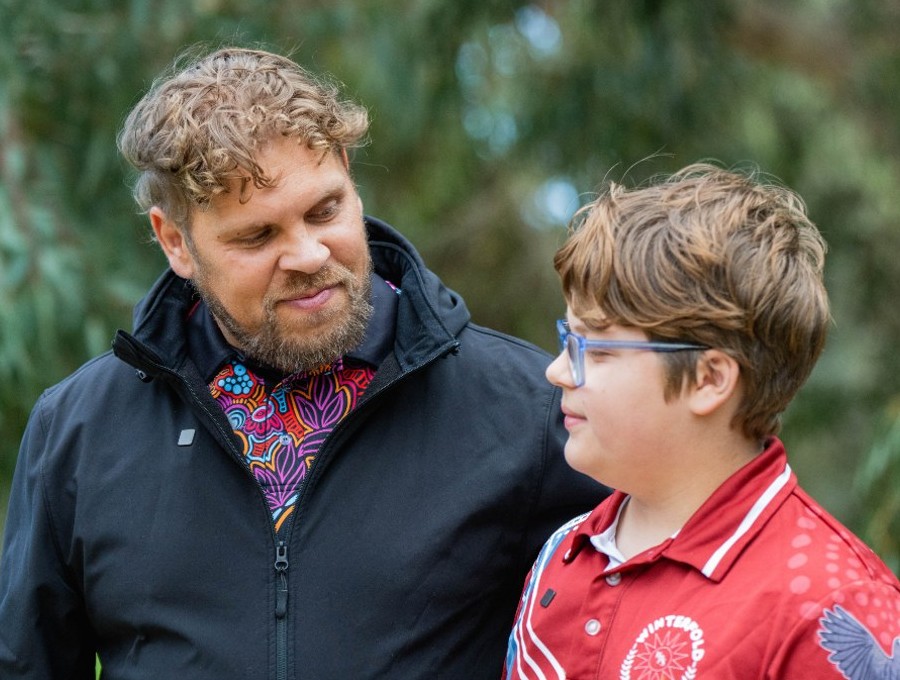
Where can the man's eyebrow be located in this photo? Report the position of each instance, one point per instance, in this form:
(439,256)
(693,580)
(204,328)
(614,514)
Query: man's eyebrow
(238,230)
(331,194)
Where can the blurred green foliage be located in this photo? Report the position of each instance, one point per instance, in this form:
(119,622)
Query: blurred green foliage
(492,121)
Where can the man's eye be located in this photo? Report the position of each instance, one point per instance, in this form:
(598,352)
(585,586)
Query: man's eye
(254,239)
(324,213)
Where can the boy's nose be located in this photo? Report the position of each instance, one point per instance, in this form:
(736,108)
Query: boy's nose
(558,372)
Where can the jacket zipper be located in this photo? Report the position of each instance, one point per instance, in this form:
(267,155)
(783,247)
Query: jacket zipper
(281,552)
(281,601)
(281,549)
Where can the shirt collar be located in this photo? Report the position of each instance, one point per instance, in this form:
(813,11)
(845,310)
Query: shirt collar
(713,538)
(210,351)
(605,541)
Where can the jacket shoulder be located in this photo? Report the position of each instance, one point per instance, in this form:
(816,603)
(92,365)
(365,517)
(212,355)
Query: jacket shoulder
(88,384)
(517,348)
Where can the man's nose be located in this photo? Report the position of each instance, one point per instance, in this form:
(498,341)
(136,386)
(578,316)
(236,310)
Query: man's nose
(303,251)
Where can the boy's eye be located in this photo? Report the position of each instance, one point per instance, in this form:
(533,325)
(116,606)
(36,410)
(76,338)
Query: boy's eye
(601,353)
(598,353)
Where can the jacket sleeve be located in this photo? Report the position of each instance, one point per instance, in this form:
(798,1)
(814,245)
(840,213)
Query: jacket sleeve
(44,632)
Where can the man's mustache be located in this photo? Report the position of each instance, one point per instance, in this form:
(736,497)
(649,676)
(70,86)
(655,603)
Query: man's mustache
(327,277)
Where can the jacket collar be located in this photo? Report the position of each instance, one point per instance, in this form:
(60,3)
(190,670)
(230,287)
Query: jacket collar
(430,315)
(716,534)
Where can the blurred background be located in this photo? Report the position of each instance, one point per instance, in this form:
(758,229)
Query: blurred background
(492,122)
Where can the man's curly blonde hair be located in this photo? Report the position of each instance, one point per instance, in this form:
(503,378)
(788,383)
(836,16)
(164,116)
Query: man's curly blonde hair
(201,127)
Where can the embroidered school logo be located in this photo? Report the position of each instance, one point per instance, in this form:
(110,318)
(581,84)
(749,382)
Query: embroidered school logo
(854,650)
(669,648)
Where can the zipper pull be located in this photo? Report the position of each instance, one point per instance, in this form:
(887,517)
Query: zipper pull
(281,560)
(281,566)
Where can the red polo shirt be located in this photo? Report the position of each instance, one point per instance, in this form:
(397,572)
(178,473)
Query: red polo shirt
(760,583)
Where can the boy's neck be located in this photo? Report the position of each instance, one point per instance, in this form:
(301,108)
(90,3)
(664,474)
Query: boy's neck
(643,526)
(649,518)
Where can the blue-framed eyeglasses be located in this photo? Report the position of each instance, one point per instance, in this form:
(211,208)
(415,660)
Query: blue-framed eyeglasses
(574,346)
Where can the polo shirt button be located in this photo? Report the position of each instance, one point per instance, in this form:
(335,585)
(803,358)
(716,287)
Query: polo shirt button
(614,579)
(592,627)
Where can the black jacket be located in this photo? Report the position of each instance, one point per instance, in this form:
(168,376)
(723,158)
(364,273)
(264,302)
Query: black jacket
(411,540)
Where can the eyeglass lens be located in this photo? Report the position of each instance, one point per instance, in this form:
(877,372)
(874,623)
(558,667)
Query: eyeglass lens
(573,351)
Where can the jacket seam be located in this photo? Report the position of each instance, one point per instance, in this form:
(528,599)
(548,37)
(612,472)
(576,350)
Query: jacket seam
(538,484)
(45,497)
(524,344)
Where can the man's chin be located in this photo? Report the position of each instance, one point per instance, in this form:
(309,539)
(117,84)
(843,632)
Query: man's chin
(294,339)
(293,320)
(291,356)
(301,347)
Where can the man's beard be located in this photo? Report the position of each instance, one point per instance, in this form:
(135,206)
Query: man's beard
(343,329)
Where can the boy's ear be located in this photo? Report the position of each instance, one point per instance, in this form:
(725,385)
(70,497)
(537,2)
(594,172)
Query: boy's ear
(717,380)
(173,243)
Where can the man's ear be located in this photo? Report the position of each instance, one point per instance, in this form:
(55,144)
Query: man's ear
(717,381)
(173,243)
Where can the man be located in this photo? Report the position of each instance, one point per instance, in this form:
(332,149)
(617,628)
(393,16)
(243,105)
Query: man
(305,462)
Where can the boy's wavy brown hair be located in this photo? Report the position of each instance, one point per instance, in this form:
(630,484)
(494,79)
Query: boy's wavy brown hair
(711,256)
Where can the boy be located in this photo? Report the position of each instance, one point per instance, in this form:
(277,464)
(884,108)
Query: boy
(696,309)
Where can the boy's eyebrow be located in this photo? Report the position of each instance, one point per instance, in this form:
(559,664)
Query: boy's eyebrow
(581,327)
